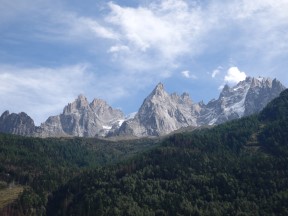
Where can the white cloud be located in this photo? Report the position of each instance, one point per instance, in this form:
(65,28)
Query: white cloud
(220,87)
(187,74)
(216,71)
(156,27)
(41,92)
(156,34)
(234,75)
(143,43)
(88,24)
(69,27)
(118,48)
(261,27)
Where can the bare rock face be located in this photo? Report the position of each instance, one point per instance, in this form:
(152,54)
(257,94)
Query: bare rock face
(261,92)
(161,114)
(20,124)
(247,97)
(82,119)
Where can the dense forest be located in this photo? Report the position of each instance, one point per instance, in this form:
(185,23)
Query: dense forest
(40,166)
(237,168)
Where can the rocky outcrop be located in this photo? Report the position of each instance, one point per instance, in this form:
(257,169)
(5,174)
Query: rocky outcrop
(162,113)
(20,124)
(261,92)
(247,97)
(82,119)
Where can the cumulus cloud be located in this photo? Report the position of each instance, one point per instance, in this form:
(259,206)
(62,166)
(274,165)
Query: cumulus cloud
(140,39)
(234,75)
(169,27)
(137,45)
(187,74)
(156,34)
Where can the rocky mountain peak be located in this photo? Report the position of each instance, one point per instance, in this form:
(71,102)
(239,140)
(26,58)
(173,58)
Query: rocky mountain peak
(185,99)
(20,124)
(98,103)
(261,92)
(80,118)
(277,84)
(261,81)
(247,97)
(79,103)
(185,95)
(226,90)
(158,90)
(159,86)
(5,114)
(159,114)
(103,110)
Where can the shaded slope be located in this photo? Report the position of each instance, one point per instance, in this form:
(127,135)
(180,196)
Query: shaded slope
(42,165)
(207,172)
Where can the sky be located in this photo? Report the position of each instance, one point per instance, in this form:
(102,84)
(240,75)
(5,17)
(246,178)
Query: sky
(53,50)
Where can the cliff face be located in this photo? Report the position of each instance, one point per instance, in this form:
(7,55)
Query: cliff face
(82,119)
(20,124)
(247,97)
(161,113)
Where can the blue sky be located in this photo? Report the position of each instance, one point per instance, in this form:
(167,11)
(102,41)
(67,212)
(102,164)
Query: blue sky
(53,50)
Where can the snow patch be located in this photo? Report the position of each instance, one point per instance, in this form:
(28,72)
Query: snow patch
(107,127)
(120,122)
(236,88)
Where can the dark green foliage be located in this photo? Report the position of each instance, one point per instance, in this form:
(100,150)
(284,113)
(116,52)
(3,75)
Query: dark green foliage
(277,109)
(238,168)
(46,164)
(275,133)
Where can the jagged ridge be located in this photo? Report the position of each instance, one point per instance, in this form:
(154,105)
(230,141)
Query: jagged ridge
(161,113)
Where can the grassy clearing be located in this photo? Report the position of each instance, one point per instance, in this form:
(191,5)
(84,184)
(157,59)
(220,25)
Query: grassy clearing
(9,195)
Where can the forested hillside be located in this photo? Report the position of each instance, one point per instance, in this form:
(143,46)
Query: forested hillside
(238,168)
(40,166)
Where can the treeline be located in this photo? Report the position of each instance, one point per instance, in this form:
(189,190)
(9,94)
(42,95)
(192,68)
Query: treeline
(238,168)
(42,165)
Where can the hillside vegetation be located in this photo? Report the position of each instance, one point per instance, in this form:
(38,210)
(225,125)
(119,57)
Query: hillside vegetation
(238,168)
(42,165)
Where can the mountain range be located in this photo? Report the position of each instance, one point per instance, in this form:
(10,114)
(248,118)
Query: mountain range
(236,168)
(160,114)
